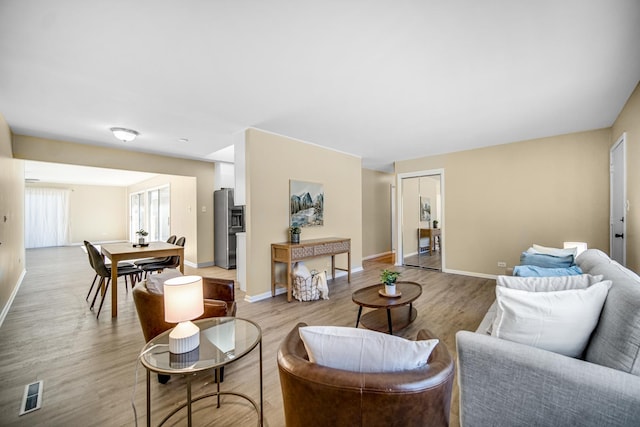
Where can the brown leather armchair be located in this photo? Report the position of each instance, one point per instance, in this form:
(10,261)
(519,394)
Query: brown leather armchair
(315,395)
(219,301)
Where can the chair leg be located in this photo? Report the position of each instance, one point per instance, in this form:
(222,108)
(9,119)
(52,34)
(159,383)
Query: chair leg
(91,288)
(103,297)
(95,296)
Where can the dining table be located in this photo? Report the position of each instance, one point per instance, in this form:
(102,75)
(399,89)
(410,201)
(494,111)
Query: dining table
(126,250)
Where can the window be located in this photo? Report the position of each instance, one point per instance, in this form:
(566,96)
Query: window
(150,210)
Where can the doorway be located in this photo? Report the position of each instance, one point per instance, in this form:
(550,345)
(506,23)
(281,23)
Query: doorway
(420,219)
(618,208)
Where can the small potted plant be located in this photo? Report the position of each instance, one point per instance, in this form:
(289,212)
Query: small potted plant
(435,223)
(142,236)
(389,279)
(294,234)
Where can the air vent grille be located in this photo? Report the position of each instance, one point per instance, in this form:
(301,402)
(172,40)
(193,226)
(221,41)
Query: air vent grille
(32,398)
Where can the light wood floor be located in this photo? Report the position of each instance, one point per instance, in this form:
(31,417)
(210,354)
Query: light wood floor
(90,369)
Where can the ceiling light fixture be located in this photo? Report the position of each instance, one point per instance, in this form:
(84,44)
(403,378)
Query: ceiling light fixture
(124,135)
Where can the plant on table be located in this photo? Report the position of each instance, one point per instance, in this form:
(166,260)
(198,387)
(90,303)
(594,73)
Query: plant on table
(389,278)
(142,234)
(294,233)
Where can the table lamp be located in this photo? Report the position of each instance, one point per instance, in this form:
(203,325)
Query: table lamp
(183,302)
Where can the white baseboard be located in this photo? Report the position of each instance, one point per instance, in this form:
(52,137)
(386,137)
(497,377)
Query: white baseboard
(469,273)
(7,306)
(380,255)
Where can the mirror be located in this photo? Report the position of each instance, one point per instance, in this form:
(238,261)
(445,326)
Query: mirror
(421,210)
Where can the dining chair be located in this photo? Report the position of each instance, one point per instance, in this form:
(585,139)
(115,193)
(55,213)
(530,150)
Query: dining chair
(141,262)
(105,274)
(121,264)
(171,262)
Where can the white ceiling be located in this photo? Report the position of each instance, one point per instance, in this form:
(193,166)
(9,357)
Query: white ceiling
(384,80)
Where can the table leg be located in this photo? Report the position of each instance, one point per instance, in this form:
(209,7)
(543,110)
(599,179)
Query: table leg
(333,267)
(389,321)
(148,398)
(181,254)
(261,403)
(273,276)
(349,267)
(359,314)
(189,421)
(219,380)
(289,281)
(114,286)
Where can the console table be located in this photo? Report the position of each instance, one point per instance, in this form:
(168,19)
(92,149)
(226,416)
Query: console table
(289,253)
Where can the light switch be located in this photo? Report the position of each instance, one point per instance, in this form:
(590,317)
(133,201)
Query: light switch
(204,209)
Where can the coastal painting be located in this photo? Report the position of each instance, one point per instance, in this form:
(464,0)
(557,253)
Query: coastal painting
(425,208)
(306,203)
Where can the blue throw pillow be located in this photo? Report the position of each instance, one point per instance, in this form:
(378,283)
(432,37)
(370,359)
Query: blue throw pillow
(546,261)
(535,271)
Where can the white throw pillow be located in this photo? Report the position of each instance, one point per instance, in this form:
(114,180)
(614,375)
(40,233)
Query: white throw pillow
(362,350)
(548,284)
(155,282)
(560,321)
(553,251)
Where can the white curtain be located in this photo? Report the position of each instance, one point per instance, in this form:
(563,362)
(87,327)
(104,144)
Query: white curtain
(46,217)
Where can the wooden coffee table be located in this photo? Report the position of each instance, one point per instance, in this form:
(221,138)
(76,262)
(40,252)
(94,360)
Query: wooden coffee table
(383,317)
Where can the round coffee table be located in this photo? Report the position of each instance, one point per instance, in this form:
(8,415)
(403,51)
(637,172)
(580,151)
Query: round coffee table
(383,317)
(223,340)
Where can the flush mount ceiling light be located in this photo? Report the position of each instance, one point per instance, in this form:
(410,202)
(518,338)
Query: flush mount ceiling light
(124,135)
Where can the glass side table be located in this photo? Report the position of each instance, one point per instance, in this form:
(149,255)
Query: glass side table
(223,340)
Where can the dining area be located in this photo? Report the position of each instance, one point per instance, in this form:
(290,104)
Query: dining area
(134,262)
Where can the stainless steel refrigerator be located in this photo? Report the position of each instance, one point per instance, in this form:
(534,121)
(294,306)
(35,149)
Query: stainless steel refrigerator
(228,220)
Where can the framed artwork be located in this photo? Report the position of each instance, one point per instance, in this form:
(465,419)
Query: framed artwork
(425,208)
(306,203)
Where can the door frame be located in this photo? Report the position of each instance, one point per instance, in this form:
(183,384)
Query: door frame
(418,174)
(620,142)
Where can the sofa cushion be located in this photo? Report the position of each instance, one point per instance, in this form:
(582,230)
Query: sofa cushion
(548,284)
(544,260)
(616,340)
(535,271)
(560,321)
(362,350)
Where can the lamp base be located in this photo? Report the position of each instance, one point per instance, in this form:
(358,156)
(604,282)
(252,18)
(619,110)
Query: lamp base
(184,338)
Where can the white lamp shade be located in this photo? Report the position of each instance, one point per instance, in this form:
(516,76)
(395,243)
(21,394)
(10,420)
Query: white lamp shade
(580,246)
(183,299)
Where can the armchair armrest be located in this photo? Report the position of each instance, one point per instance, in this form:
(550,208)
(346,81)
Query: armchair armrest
(222,290)
(505,383)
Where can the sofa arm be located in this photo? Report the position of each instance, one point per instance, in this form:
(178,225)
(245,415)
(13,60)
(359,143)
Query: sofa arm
(503,383)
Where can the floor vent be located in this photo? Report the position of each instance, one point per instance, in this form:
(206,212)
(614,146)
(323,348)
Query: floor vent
(32,398)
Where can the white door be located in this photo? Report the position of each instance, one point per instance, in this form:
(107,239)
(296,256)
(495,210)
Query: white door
(617,228)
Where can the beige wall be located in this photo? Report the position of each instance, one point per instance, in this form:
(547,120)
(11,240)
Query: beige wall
(376,212)
(12,252)
(271,161)
(501,199)
(183,207)
(629,121)
(47,150)
(96,213)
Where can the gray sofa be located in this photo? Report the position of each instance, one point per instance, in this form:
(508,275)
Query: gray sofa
(504,383)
